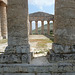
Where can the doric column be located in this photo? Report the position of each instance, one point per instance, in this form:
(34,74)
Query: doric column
(4,22)
(64,31)
(48,27)
(0,25)
(53,26)
(18,49)
(42,27)
(36,27)
(30,27)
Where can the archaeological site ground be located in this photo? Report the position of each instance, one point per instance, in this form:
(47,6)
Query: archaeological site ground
(24,51)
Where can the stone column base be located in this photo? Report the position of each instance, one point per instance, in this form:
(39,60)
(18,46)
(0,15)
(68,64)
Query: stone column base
(62,53)
(58,48)
(15,58)
(61,57)
(16,54)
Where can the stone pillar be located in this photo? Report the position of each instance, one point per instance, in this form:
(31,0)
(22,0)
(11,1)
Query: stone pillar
(53,26)
(64,31)
(30,27)
(42,27)
(18,49)
(4,22)
(0,25)
(36,27)
(48,27)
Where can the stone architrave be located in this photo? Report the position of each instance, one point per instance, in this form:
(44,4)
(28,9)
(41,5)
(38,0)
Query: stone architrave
(64,31)
(18,49)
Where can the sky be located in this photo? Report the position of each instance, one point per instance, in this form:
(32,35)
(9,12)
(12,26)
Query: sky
(42,6)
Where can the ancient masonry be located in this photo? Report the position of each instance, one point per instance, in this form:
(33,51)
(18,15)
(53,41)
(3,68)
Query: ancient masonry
(41,16)
(3,20)
(64,39)
(18,49)
(16,59)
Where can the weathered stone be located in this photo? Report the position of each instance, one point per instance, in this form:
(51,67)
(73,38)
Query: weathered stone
(18,48)
(62,57)
(0,24)
(64,32)
(19,74)
(43,74)
(40,16)
(58,48)
(11,58)
(63,74)
(4,22)
(64,22)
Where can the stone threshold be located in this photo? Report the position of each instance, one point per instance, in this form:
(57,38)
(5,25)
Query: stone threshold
(28,68)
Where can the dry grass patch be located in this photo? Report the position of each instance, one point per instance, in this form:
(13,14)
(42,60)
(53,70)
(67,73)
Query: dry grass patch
(3,41)
(41,43)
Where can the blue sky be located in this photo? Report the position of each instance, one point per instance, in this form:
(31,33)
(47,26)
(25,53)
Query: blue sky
(41,5)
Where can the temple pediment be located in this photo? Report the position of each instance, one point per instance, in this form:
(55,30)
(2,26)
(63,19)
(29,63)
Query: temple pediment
(40,14)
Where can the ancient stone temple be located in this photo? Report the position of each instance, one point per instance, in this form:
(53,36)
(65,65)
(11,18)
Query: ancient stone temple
(16,59)
(40,16)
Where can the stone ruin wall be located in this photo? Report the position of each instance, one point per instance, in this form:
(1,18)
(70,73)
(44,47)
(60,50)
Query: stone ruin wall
(64,28)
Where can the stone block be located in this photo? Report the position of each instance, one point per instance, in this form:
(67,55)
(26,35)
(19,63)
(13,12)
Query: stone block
(68,68)
(1,74)
(17,49)
(63,74)
(26,58)
(58,48)
(11,58)
(43,74)
(11,69)
(19,74)
(70,74)
(61,57)
(1,69)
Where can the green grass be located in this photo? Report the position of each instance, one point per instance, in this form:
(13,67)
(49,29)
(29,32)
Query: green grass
(3,41)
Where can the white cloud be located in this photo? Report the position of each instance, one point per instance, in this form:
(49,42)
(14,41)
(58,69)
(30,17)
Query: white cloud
(41,3)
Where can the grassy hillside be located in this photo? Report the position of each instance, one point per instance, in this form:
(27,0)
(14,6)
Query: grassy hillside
(45,29)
